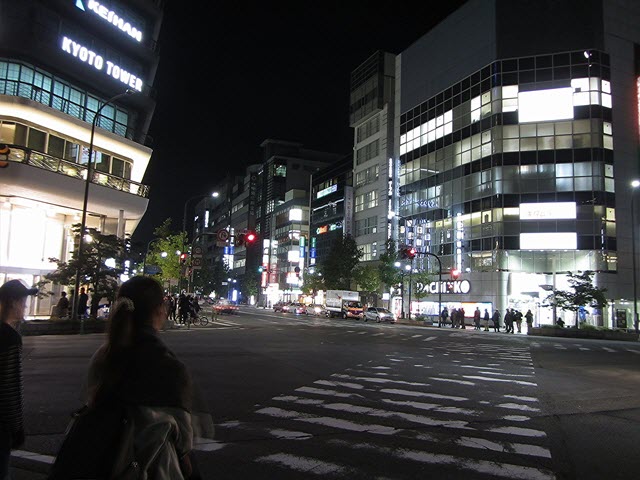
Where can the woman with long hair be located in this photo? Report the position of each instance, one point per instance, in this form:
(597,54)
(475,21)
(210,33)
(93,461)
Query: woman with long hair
(134,366)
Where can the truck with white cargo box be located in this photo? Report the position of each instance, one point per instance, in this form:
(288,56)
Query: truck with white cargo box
(343,303)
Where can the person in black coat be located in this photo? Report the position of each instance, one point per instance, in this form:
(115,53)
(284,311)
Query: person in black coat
(13,300)
(496,320)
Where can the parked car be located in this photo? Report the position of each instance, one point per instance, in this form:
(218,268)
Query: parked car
(379,314)
(297,308)
(315,309)
(279,306)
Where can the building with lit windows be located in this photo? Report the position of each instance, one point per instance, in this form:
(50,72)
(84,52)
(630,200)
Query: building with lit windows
(372,113)
(60,61)
(517,138)
(331,208)
(286,166)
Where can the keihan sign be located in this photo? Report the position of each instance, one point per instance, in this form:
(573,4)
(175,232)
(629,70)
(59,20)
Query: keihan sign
(98,62)
(111,17)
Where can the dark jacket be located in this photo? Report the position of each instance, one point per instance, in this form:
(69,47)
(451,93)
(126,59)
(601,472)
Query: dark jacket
(11,410)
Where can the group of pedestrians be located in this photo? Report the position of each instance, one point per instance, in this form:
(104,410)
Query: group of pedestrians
(512,317)
(133,366)
(63,307)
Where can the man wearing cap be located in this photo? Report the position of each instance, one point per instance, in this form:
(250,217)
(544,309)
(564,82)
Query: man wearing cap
(13,301)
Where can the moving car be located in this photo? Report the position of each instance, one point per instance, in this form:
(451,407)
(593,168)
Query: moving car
(279,306)
(315,309)
(297,308)
(224,306)
(379,314)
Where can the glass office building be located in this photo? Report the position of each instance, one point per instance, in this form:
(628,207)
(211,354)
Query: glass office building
(513,166)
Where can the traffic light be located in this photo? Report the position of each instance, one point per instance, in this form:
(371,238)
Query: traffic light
(4,155)
(250,237)
(183,258)
(407,252)
(239,240)
(455,273)
(260,268)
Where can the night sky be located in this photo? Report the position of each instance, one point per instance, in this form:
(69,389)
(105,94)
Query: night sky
(232,76)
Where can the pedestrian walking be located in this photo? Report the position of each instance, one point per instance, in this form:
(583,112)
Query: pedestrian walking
(62,307)
(461,317)
(454,318)
(508,321)
(134,366)
(13,301)
(83,299)
(443,317)
(529,318)
(518,319)
(183,309)
(496,320)
(174,307)
(486,320)
(476,319)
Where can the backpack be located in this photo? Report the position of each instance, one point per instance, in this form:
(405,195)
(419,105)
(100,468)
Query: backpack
(98,444)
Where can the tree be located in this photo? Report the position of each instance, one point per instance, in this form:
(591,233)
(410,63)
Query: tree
(337,268)
(389,274)
(210,277)
(584,293)
(367,277)
(169,243)
(249,285)
(420,281)
(312,282)
(103,280)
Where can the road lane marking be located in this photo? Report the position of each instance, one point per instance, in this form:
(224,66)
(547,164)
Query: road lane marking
(36,457)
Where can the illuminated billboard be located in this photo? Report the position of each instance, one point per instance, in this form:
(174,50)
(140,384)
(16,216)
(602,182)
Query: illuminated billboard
(545,105)
(548,211)
(549,241)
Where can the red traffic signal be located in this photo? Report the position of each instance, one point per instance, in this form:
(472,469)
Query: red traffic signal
(455,273)
(250,237)
(411,252)
(183,258)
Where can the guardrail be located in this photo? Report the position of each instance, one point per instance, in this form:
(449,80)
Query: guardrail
(50,163)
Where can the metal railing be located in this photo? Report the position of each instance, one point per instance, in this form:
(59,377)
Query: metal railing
(44,161)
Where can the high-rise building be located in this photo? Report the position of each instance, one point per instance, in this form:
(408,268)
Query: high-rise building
(62,62)
(517,130)
(372,113)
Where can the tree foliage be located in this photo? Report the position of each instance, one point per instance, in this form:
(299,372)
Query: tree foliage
(170,243)
(367,278)
(389,274)
(312,282)
(420,281)
(583,293)
(337,268)
(102,280)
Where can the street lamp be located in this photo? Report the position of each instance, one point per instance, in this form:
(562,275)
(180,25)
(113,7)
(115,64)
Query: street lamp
(146,254)
(634,188)
(87,182)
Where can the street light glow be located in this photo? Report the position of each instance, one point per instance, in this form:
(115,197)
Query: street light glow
(635,183)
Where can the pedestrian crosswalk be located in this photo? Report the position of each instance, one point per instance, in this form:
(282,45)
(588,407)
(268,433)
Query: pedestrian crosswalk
(391,417)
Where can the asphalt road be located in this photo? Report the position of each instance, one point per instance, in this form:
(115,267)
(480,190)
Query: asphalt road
(309,397)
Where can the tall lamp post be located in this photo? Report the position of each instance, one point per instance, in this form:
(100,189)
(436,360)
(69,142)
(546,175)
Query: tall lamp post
(146,254)
(87,182)
(634,186)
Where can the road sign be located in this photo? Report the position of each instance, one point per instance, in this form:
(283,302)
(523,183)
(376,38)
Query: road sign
(197,251)
(196,263)
(223,235)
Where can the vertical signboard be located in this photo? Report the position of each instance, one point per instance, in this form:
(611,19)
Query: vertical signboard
(347,225)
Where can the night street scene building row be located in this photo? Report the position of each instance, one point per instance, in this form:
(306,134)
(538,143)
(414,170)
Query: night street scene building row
(507,154)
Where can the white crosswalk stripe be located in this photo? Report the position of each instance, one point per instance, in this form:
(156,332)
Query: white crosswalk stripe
(383,402)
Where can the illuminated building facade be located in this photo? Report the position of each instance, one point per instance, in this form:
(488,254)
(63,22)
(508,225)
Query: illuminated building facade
(372,112)
(517,141)
(60,61)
